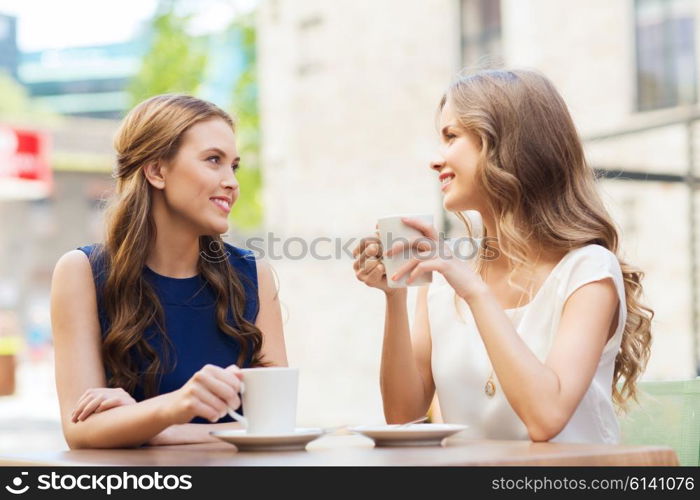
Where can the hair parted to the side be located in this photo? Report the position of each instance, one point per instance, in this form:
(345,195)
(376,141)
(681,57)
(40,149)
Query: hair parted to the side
(150,132)
(540,189)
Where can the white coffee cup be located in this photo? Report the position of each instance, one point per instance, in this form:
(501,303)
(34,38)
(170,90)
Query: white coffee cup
(269,397)
(392,229)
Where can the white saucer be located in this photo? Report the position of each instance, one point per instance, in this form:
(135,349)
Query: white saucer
(409,435)
(291,441)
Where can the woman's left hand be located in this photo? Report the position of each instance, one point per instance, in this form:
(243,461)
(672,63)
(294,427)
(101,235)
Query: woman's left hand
(436,255)
(100,399)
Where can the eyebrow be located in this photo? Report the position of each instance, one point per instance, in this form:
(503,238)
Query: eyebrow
(445,129)
(220,152)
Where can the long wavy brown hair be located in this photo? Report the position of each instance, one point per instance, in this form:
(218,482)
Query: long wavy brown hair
(540,189)
(150,132)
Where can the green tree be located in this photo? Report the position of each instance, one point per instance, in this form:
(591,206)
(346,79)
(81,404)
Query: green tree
(248,212)
(175,61)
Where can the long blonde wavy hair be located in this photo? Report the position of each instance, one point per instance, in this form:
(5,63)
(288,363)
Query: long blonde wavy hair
(150,132)
(540,189)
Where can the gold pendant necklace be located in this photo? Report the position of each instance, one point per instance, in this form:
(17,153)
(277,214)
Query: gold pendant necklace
(490,387)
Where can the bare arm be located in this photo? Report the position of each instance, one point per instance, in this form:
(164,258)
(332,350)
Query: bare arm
(79,367)
(545,395)
(190,433)
(406,376)
(77,341)
(269,318)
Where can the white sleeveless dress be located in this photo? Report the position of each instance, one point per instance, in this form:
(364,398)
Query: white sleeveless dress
(461,367)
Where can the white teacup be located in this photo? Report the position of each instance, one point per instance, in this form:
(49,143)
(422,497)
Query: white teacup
(392,229)
(269,398)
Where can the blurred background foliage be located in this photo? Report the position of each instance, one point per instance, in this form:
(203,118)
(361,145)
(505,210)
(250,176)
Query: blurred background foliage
(17,105)
(176,63)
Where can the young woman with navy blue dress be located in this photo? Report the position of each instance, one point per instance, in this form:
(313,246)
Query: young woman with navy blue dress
(152,326)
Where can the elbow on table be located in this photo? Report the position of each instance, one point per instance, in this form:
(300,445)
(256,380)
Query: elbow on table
(540,435)
(546,427)
(402,415)
(76,442)
(79,441)
(398,419)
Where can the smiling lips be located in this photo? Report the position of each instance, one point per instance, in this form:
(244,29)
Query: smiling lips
(445,178)
(222,202)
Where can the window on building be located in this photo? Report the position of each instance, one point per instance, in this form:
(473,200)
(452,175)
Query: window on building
(311,50)
(481,32)
(666,61)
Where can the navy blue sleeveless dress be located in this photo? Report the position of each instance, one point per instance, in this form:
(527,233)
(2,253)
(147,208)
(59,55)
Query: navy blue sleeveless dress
(189,307)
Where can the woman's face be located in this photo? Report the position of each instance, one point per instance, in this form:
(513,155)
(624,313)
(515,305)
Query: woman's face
(199,183)
(456,164)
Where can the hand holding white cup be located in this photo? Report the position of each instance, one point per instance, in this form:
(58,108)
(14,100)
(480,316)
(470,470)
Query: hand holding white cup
(403,238)
(208,394)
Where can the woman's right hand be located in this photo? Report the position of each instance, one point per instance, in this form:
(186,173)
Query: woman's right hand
(368,264)
(209,394)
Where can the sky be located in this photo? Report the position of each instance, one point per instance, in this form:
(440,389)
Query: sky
(47,24)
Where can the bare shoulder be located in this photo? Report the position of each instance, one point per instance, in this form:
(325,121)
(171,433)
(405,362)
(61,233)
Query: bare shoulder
(267,283)
(73,259)
(264,267)
(72,266)
(72,277)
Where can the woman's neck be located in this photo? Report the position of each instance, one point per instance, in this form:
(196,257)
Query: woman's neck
(175,250)
(535,253)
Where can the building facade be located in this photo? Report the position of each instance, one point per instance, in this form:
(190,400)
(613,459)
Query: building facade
(349,91)
(9,53)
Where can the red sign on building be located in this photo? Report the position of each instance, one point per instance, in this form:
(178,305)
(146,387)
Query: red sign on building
(25,172)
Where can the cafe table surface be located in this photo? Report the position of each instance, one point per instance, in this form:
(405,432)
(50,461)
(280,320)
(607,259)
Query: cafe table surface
(356,450)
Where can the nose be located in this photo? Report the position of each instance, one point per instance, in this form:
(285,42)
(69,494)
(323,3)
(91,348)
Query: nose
(437,163)
(229,181)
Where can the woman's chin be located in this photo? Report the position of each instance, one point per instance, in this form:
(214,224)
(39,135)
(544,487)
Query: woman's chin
(451,202)
(217,229)
(451,205)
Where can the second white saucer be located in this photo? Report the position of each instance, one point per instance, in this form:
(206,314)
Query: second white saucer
(408,435)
